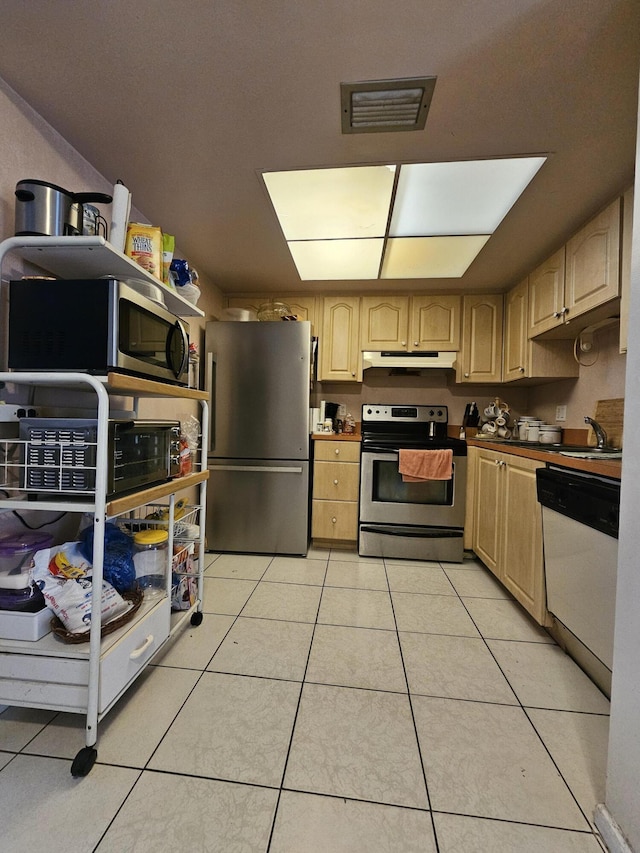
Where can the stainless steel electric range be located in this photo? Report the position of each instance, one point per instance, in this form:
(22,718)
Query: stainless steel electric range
(411,520)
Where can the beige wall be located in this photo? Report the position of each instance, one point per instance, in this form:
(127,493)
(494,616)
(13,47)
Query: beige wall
(603,380)
(30,148)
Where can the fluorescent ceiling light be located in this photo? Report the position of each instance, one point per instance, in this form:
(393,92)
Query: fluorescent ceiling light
(322,260)
(470,197)
(323,204)
(342,219)
(431,257)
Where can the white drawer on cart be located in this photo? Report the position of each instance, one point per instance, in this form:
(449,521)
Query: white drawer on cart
(124,660)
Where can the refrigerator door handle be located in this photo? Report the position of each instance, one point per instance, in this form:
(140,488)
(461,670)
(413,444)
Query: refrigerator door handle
(265,469)
(212,402)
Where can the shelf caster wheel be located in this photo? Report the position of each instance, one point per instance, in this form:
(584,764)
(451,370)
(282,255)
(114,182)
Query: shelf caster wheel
(196,618)
(84,761)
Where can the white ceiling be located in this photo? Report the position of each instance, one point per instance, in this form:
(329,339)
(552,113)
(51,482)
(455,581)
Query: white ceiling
(187,102)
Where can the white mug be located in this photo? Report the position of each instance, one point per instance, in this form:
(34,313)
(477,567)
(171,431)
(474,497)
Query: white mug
(533,432)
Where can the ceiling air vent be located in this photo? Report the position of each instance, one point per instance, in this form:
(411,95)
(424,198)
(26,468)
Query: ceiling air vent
(379,106)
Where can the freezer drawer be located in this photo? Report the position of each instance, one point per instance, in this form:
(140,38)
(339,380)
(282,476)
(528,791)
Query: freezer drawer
(258,506)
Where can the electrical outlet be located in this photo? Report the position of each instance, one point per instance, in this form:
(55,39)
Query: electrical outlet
(561,413)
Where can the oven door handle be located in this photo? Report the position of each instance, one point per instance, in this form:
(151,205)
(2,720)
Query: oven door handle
(421,533)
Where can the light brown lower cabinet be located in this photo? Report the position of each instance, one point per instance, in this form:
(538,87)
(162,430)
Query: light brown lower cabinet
(506,521)
(336,481)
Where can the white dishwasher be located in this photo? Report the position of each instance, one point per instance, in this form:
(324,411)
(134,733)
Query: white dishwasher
(580,515)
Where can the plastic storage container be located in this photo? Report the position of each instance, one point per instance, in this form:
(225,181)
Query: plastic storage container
(16,557)
(151,560)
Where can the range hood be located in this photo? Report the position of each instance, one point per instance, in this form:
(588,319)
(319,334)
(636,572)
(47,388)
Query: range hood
(412,360)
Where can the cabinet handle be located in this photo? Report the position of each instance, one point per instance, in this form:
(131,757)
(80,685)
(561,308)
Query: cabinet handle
(140,651)
(466,376)
(416,344)
(337,452)
(556,314)
(521,369)
(334,520)
(335,482)
(403,343)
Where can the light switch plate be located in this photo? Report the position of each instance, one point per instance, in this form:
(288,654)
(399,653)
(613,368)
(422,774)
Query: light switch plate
(561,413)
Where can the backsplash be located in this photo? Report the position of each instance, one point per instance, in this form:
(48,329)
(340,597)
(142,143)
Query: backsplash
(604,379)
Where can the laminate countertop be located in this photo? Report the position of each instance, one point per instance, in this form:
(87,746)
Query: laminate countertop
(603,467)
(336,436)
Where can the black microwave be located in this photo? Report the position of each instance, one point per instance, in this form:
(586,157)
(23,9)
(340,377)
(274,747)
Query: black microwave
(94,326)
(59,454)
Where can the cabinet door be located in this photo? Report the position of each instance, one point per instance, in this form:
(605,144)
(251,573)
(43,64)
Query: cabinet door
(481,354)
(593,263)
(435,323)
(250,303)
(522,561)
(546,294)
(340,358)
(625,266)
(385,322)
(486,521)
(516,341)
(304,307)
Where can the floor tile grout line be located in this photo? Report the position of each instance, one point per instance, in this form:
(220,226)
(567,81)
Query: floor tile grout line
(524,711)
(119,809)
(413,717)
(518,702)
(295,720)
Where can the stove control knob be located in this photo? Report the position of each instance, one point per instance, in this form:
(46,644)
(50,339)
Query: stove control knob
(369,411)
(431,413)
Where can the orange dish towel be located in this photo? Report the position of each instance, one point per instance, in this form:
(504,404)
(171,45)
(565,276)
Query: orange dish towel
(417,465)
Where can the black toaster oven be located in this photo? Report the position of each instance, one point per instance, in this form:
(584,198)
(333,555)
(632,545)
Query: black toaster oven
(59,454)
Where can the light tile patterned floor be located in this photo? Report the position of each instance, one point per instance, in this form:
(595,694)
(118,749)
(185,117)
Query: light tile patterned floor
(330,705)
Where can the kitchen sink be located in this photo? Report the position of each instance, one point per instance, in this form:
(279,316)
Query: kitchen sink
(580,450)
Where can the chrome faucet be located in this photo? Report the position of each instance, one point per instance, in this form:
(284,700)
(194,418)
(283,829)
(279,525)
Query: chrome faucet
(601,435)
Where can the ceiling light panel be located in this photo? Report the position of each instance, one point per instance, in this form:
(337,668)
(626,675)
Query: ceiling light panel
(325,260)
(431,257)
(467,197)
(321,204)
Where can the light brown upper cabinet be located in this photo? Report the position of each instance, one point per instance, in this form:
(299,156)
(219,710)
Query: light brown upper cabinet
(340,359)
(579,279)
(481,353)
(516,321)
(385,323)
(304,307)
(435,323)
(411,323)
(526,359)
(625,266)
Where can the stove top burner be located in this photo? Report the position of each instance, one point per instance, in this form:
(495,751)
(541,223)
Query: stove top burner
(388,428)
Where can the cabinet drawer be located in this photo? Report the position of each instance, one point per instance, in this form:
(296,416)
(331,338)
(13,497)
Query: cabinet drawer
(335,520)
(343,451)
(336,481)
(131,653)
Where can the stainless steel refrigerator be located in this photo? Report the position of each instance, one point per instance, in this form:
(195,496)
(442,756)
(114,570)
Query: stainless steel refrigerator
(258,374)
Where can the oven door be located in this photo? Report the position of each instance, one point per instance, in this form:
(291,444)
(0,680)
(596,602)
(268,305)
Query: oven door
(386,499)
